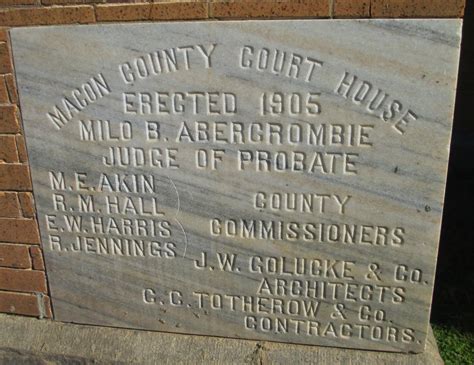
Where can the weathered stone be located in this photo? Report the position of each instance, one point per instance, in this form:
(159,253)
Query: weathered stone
(286,180)
(23,339)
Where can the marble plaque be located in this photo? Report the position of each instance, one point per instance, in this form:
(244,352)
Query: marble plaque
(269,180)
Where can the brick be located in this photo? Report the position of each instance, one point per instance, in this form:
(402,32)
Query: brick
(127,12)
(81,14)
(20,145)
(11,87)
(47,312)
(9,206)
(8,119)
(23,280)
(61,2)
(15,177)
(15,256)
(37,257)
(19,2)
(19,303)
(4,35)
(351,8)
(19,231)
(179,1)
(8,151)
(27,204)
(417,8)
(69,2)
(269,9)
(4,97)
(5,59)
(123,1)
(179,10)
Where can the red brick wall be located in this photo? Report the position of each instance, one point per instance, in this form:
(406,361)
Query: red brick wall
(23,282)
(23,288)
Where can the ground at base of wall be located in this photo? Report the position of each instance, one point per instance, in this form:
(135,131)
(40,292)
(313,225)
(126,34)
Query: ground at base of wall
(32,341)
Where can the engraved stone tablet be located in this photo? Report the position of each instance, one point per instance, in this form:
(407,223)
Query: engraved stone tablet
(270,180)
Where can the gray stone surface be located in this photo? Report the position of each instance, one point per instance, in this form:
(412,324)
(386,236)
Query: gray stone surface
(305,161)
(32,341)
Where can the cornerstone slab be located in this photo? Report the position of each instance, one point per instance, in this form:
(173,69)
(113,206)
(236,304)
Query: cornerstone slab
(269,180)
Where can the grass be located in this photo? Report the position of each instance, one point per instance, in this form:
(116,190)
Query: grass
(455,346)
